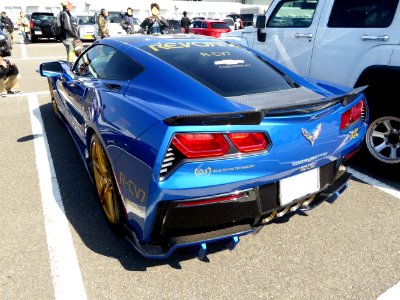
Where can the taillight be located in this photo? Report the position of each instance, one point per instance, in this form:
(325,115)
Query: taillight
(211,200)
(352,115)
(31,23)
(248,141)
(196,145)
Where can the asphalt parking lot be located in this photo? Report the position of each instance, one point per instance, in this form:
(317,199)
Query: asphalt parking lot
(55,242)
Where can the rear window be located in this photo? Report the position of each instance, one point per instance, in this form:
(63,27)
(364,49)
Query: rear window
(85,20)
(114,17)
(223,67)
(219,25)
(43,17)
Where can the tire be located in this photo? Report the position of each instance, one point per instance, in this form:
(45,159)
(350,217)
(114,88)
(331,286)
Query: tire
(105,184)
(56,110)
(383,141)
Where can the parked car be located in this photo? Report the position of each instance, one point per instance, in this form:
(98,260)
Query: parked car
(353,43)
(85,27)
(209,27)
(42,26)
(241,142)
(114,24)
(230,22)
(247,19)
(174,26)
(5,49)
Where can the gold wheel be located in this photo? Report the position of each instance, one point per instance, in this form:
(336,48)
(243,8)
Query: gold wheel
(104,182)
(53,99)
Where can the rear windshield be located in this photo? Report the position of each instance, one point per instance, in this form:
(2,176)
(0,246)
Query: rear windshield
(219,25)
(85,20)
(43,17)
(229,21)
(114,17)
(225,68)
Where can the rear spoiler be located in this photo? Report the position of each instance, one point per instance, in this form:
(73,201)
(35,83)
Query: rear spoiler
(255,117)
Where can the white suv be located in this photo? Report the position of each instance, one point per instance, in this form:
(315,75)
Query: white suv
(354,43)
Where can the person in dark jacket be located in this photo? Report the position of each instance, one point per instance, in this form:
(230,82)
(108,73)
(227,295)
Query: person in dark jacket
(154,24)
(9,78)
(69,30)
(127,22)
(185,22)
(8,27)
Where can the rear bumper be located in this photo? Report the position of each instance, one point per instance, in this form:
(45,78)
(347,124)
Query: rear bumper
(179,226)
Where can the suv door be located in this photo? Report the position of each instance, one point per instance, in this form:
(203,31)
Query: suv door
(290,33)
(356,33)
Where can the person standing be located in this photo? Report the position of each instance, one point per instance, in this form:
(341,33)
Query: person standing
(69,31)
(102,22)
(154,24)
(23,24)
(8,27)
(127,22)
(9,78)
(185,22)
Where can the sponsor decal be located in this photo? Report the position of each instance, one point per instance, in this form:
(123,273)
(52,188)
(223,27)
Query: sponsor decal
(312,137)
(202,172)
(353,134)
(132,187)
(168,46)
(208,171)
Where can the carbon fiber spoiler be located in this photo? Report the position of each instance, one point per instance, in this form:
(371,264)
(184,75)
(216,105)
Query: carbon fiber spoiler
(255,117)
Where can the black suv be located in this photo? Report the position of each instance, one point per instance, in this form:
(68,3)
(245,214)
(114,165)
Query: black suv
(42,26)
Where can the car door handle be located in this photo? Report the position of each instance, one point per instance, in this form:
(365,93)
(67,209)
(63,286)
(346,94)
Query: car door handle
(303,35)
(383,38)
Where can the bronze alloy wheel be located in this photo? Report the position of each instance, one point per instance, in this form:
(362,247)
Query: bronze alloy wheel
(53,99)
(104,182)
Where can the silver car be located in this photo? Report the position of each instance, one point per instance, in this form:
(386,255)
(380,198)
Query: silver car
(85,27)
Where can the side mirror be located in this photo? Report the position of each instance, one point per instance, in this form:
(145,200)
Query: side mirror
(51,69)
(261,21)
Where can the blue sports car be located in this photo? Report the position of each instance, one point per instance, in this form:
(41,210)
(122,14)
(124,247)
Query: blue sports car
(195,140)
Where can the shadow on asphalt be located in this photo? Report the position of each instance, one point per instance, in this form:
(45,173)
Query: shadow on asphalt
(83,209)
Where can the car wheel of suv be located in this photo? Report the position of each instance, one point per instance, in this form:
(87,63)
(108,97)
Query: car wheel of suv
(383,140)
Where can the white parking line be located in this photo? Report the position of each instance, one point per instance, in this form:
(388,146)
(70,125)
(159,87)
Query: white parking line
(24,54)
(376,183)
(66,275)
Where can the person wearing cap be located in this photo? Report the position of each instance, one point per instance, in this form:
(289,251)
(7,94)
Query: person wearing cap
(69,30)
(185,22)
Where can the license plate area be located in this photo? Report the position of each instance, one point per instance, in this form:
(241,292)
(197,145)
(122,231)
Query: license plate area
(38,32)
(298,186)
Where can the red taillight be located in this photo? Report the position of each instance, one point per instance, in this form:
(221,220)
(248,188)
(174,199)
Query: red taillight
(211,200)
(248,141)
(196,145)
(31,23)
(352,115)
